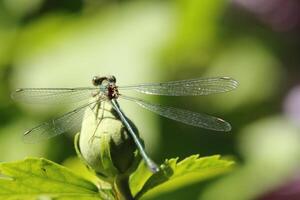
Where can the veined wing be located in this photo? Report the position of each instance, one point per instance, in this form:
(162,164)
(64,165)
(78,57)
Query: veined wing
(191,87)
(184,116)
(69,122)
(53,95)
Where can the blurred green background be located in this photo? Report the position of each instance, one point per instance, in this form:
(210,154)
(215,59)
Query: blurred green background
(61,43)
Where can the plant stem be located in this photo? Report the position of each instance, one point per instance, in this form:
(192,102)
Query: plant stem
(121,187)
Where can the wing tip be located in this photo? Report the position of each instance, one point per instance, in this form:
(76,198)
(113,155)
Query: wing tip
(226,127)
(31,139)
(14,93)
(25,137)
(231,80)
(27,132)
(231,83)
(19,90)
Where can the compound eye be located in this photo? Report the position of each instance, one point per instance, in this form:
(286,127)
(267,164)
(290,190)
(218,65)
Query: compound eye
(96,81)
(112,79)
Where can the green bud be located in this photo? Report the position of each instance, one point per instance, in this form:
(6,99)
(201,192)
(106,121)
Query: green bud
(105,145)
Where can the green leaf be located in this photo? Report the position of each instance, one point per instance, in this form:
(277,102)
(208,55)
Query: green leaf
(176,174)
(34,179)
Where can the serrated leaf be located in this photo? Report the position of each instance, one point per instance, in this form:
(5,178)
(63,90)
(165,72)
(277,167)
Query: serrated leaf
(176,174)
(38,178)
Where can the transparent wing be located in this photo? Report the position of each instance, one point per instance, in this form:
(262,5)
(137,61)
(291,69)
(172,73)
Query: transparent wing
(69,122)
(184,116)
(191,87)
(53,95)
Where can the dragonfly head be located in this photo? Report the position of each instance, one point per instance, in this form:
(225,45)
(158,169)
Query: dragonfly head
(99,80)
(107,85)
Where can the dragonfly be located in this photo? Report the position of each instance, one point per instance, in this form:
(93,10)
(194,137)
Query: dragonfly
(105,89)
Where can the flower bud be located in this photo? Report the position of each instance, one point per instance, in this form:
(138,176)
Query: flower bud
(104,143)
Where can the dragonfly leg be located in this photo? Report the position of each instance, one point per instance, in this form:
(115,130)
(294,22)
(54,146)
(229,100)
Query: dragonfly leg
(92,109)
(94,134)
(100,120)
